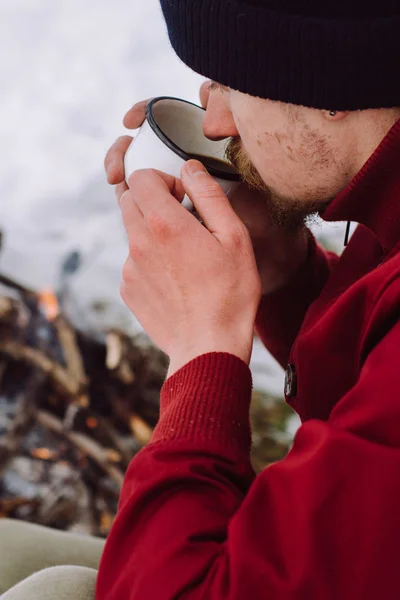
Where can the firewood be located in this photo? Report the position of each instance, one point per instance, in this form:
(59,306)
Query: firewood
(24,419)
(97,393)
(84,443)
(58,374)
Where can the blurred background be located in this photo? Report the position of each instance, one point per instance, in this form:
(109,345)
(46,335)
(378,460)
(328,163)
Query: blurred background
(69,71)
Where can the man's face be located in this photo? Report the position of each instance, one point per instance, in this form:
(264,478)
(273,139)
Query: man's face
(300,157)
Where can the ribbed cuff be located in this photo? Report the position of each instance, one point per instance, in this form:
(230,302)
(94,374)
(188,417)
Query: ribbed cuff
(333,63)
(208,400)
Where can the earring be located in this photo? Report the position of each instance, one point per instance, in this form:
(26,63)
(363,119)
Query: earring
(332,113)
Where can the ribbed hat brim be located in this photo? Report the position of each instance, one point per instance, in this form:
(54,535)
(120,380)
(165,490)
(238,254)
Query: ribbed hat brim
(339,64)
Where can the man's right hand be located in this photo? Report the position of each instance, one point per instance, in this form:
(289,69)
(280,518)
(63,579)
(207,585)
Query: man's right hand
(279,254)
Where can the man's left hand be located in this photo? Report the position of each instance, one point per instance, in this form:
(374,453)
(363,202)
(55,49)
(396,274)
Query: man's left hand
(194,288)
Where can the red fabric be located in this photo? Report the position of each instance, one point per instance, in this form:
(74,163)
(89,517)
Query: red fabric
(279,317)
(322,524)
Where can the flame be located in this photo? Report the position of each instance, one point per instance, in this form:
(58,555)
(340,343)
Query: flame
(43,453)
(83,401)
(49,304)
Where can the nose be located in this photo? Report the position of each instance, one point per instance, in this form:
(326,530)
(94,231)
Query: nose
(218,122)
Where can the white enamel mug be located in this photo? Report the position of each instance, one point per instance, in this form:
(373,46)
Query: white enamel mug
(172,134)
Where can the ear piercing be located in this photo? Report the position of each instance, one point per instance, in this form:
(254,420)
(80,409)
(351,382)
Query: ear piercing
(332,113)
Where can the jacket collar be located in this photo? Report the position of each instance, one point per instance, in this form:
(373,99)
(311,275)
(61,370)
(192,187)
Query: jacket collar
(372,198)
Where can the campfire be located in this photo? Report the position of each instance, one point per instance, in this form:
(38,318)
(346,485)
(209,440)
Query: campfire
(76,408)
(73,412)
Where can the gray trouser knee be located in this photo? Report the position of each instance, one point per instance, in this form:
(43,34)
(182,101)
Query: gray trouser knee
(26,548)
(56,583)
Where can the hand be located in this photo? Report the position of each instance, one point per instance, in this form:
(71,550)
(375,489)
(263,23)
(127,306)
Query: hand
(194,289)
(279,254)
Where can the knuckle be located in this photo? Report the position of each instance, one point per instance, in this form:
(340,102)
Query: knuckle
(239,237)
(136,250)
(158,225)
(127,273)
(135,178)
(139,177)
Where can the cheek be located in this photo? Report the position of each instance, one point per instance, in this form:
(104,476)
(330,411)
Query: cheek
(269,155)
(271,151)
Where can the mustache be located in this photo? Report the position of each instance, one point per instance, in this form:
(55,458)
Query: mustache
(238,157)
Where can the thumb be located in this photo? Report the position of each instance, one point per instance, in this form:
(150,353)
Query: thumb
(208,198)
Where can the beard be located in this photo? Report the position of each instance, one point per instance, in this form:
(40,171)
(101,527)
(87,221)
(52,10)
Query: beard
(285,212)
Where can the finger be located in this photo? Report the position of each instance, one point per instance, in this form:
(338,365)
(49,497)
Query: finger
(205,93)
(120,190)
(133,220)
(209,199)
(114,160)
(136,115)
(156,191)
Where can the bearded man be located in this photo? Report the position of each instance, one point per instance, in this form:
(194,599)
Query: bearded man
(309,95)
(308,92)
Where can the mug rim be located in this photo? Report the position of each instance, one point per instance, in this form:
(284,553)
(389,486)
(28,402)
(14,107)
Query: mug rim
(172,146)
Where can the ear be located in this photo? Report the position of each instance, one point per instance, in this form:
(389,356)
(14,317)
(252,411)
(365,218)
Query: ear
(335,115)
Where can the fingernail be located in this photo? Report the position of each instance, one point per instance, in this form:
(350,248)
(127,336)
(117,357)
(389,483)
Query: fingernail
(194,167)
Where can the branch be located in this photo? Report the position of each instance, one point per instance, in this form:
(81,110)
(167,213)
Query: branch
(16,286)
(59,375)
(83,443)
(72,354)
(140,429)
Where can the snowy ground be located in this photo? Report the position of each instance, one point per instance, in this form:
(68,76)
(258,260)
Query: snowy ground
(69,70)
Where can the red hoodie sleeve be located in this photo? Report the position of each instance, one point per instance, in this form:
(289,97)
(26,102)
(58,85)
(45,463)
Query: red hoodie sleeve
(281,313)
(195,524)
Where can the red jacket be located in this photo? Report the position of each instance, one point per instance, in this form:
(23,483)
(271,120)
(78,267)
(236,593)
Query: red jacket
(324,523)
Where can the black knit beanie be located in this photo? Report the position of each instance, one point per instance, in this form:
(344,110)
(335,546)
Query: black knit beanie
(342,55)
